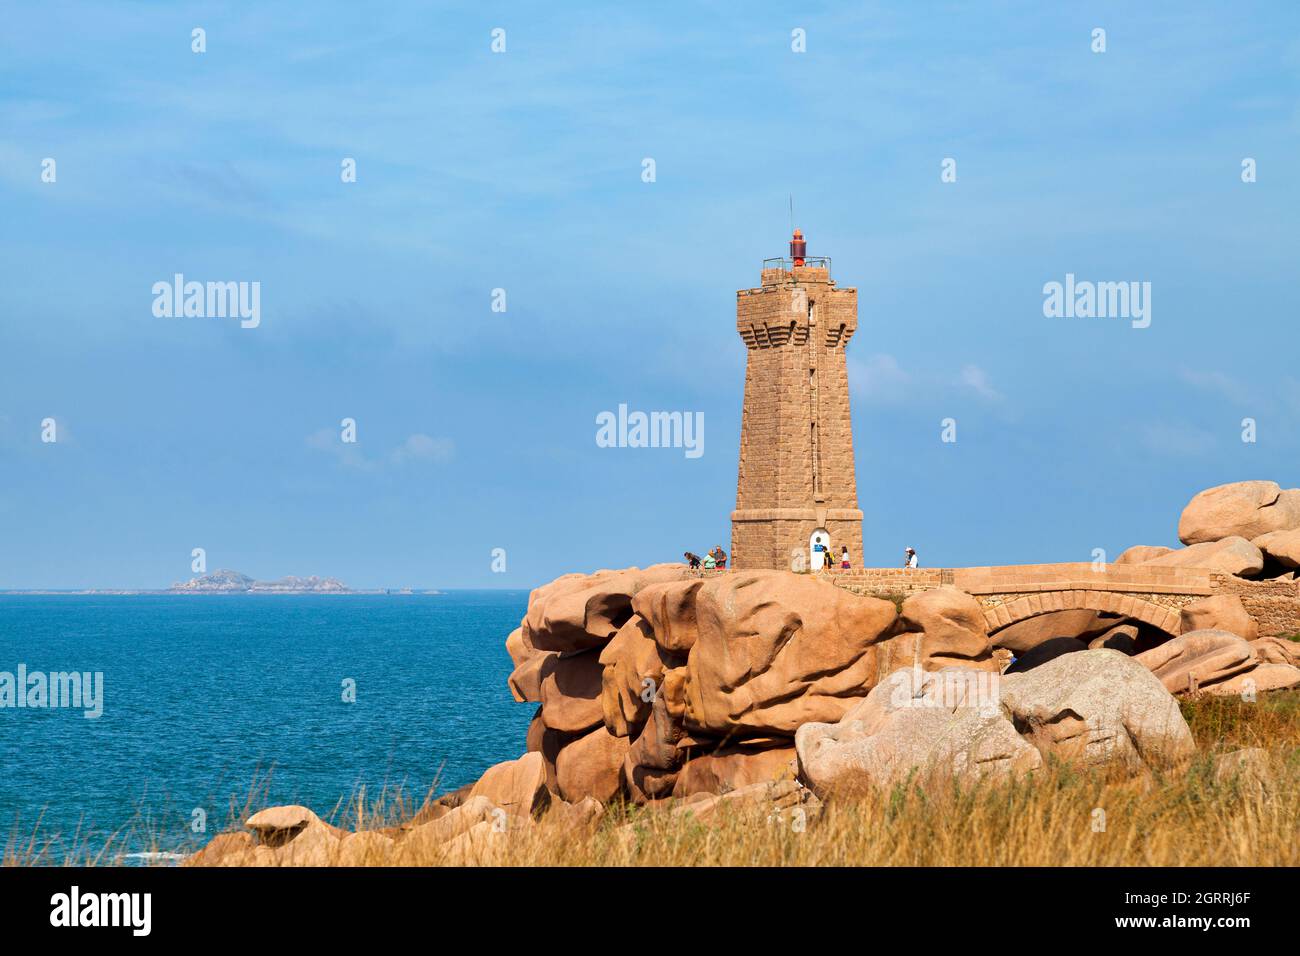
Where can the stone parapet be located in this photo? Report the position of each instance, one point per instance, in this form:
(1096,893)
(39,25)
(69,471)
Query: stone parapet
(1275,605)
(1155,595)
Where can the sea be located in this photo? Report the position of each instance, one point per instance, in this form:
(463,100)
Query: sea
(215,704)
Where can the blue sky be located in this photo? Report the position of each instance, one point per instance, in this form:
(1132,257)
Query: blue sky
(522,171)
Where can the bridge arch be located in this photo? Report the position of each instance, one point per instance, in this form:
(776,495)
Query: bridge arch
(1016,609)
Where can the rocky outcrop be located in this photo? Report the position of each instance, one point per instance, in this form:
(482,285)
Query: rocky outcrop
(1245,509)
(1081,624)
(570,689)
(422,840)
(734,768)
(1222,612)
(775,650)
(940,628)
(772,690)
(707,684)
(652,762)
(295,835)
(470,832)
(525,681)
(579,612)
(633,669)
(670,611)
(278,836)
(591,766)
(594,665)
(516,786)
(1216,662)
(1100,708)
(1140,553)
(1277,650)
(1260,679)
(1247,528)
(783,802)
(1122,637)
(1231,555)
(915,725)
(656,684)
(1280,546)
(1197,659)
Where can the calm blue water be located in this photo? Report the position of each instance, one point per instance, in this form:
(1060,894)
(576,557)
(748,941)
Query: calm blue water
(208,697)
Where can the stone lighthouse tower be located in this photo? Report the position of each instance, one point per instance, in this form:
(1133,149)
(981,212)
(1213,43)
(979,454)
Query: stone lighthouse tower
(797,487)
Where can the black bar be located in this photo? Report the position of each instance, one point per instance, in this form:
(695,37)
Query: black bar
(735,906)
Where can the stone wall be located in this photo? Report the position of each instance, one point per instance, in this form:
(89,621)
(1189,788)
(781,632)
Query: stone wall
(1152,594)
(1275,605)
(1156,595)
(877,581)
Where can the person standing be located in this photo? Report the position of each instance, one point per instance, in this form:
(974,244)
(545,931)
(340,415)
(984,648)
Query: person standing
(710,562)
(909,558)
(720,557)
(844,557)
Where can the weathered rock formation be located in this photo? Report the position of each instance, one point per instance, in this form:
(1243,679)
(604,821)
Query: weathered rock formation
(1220,662)
(1281,546)
(1081,624)
(1232,555)
(1140,553)
(913,725)
(1244,509)
(1222,612)
(1246,528)
(774,690)
(1098,707)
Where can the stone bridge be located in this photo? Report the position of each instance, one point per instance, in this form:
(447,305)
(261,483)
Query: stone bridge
(1154,595)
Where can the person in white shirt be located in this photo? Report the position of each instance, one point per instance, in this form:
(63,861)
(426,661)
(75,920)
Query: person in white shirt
(909,558)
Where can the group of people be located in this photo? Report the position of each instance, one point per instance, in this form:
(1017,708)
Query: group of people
(717,558)
(823,557)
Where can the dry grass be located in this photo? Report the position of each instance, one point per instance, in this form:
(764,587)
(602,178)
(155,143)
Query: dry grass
(1184,819)
(148,840)
(1049,821)
(1059,817)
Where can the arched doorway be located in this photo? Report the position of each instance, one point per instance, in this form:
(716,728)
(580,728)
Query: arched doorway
(819,549)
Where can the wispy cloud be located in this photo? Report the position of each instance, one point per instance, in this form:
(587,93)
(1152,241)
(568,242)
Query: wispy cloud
(1219,383)
(878,379)
(416,448)
(975,378)
(421,447)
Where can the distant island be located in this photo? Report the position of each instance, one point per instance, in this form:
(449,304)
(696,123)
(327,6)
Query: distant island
(226,581)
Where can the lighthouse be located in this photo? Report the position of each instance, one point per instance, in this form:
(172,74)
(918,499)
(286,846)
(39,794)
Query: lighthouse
(796,494)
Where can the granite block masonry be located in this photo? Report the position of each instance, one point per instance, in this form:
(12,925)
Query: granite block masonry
(796,477)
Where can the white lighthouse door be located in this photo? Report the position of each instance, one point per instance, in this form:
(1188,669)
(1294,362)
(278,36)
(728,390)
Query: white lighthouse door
(819,549)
